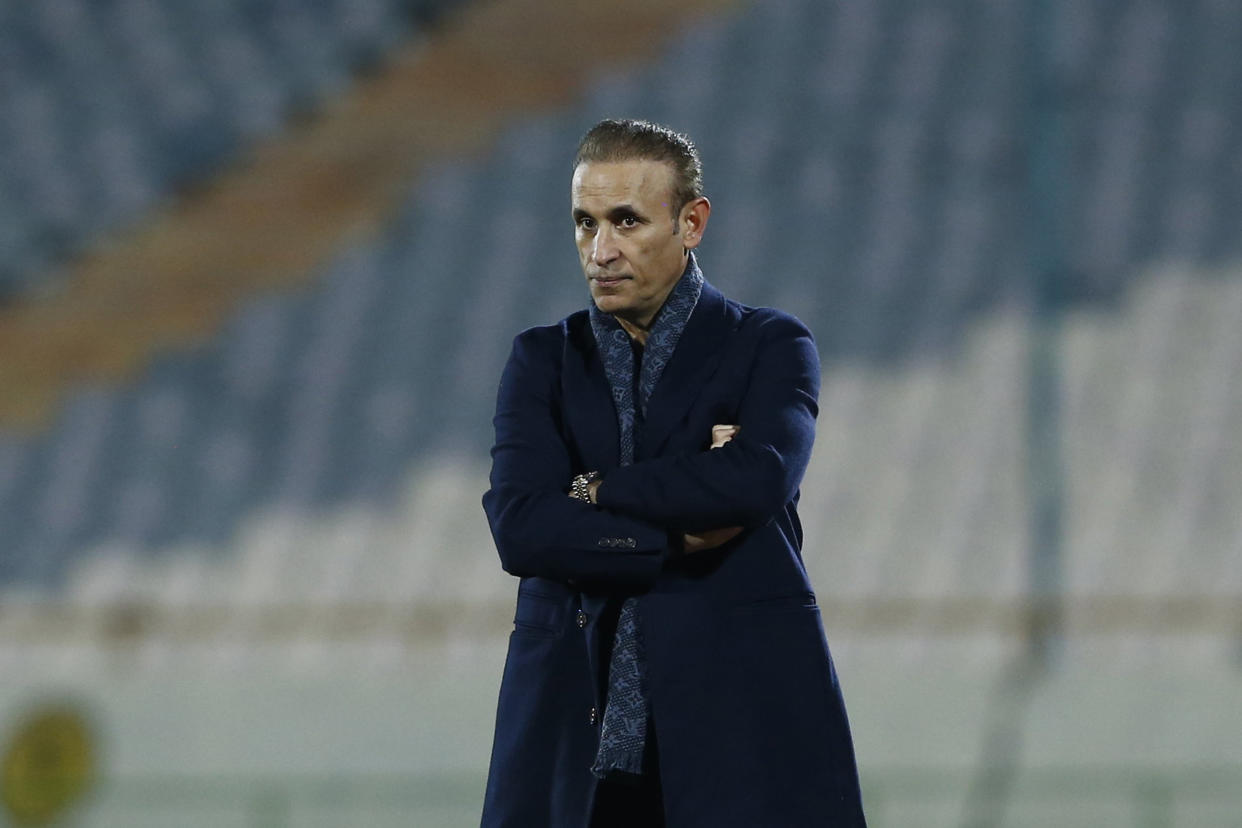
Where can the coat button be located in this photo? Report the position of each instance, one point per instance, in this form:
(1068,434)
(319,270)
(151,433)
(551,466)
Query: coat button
(593,717)
(581,618)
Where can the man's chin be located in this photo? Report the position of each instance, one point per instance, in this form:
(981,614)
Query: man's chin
(608,302)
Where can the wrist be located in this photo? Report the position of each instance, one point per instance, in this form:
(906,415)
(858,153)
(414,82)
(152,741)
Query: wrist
(583,486)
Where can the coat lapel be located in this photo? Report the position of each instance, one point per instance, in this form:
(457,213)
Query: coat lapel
(695,359)
(587,401)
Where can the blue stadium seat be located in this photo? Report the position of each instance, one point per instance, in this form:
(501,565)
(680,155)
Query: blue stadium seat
(113,105)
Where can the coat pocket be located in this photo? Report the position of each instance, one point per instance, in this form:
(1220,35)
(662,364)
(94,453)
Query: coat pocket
(778,603)
(539,615)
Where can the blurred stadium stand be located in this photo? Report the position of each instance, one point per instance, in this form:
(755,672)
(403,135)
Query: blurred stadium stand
(112,106)
(300,492)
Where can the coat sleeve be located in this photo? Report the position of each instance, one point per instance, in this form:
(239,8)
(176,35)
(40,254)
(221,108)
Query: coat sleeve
(758,472)
(539,530)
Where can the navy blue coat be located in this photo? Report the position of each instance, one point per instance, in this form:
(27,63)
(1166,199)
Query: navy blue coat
(745,702)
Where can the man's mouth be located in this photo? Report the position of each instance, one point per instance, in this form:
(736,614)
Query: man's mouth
(608,280)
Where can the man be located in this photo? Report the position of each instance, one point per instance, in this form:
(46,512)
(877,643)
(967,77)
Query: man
(667,665)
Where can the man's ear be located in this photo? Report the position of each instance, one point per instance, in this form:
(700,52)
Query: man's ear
(693,221)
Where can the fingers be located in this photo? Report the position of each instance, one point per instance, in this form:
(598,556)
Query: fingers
(710,539)
(722,434)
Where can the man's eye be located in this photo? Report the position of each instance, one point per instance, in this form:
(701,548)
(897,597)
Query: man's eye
(586,223)
(629,221)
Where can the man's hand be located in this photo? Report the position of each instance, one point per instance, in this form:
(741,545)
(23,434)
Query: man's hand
(722,434)
(709,539)
(712,538)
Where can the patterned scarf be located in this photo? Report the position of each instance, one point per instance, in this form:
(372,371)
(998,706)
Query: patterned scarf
(623,733)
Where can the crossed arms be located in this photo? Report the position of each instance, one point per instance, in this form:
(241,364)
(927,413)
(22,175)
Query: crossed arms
(699,541)
(654,508)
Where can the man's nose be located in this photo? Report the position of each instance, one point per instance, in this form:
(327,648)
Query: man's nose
(604,249)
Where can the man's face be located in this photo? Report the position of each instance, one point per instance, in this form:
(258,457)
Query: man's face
(631,245)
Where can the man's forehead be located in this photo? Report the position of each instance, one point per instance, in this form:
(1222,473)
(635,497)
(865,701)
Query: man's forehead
(629,181)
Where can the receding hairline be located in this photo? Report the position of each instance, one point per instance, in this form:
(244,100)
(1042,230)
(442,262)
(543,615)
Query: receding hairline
(669,168)
(620,141)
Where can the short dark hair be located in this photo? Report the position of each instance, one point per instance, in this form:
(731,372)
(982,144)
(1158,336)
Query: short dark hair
(634,140)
